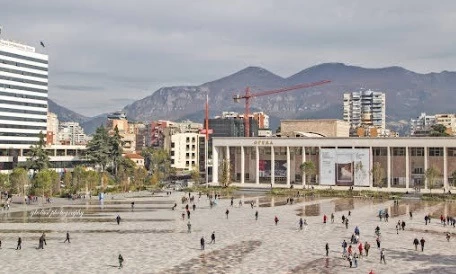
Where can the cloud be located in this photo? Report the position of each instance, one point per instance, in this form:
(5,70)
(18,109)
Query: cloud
(106,52)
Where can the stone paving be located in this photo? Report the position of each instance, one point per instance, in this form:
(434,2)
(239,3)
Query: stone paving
(152,238)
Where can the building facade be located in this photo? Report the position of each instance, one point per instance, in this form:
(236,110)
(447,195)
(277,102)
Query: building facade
(322,127)
(422,125)
(52,129)
(23,93)
(338,161)
(185,151)
(71,133)
(365,109)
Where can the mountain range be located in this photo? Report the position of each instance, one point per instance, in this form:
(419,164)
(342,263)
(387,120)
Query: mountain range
(407,94)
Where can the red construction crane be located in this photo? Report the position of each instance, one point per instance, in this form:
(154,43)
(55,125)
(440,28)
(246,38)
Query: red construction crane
(247,96)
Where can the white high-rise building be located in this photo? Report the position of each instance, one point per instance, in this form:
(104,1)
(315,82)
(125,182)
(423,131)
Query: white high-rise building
(23,94)
(365,109)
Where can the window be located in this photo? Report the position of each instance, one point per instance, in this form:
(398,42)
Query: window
(172,144)
(451,152)
(187,139)
(398,151)
(172,152)
(417,151)
(380,151)
(418,170)
(436,151)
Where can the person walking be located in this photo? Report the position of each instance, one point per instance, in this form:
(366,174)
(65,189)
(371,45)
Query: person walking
(188,214)
(19,243)
(397,227)
(256,215)
(355,260)
(194,207)
(227,212)
(189,227)
(301,223)
(118,219)
(378,242)
(360,249)
(276,220)
(121,260)
(382,256)
(324,219)
(67,237)
(42,242)
(448,236)
(346,223)
(422,241)
(202,243)
(213,237)
(232,201)
(327,249)
(416,243)
(344,248)
(343,219)
(403,225)
(332,218)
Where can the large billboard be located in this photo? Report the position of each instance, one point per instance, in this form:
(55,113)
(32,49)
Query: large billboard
(280,168)
(345,167)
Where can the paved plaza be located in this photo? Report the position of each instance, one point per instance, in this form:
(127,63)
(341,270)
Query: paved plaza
(153,238)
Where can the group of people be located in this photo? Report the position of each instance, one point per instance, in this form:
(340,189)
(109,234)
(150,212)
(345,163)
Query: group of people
(41,241)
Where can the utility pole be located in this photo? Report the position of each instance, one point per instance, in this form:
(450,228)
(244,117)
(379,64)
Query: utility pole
(206,141)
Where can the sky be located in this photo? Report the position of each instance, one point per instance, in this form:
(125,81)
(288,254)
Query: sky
(107,54)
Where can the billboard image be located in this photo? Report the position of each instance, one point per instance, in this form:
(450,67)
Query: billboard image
(344,167)
(280,168)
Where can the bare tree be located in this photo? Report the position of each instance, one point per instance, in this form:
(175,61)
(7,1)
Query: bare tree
(378,174)
(431,174)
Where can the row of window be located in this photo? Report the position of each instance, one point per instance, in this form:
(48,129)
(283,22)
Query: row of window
(24,73)
(414,151)
(41,112)
(16,103)
(22,119)
(9,54)
(43,128)
(21,80)
(19,134)
(22,65)
(26,96)
(24,88)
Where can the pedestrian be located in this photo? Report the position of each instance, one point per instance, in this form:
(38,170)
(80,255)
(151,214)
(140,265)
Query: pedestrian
(386,217)
(213,237)
(403,225)
(411,214)
(19,243)
(371,272)
(343,219)
(276,220)
(327,249)
(349,213)
(350,261)
(332,218)
(355,260)
(448,236)
(301,223)
(232,201)
(118,219)
(188,214)
(422,241)
(360,249)
(42,242)
(324,219)
(121,260)
(382,256)
(256,215)
(67,237)
(202,243)
(426,220)
(194,207)
(397,228)
(132,205)
(357,230)
(240,203)
(346,223)
(416,242)
(378,242)
(227,212)
(189,227)
(183,216)
(344,248)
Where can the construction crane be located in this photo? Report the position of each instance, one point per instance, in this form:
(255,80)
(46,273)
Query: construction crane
(247,96)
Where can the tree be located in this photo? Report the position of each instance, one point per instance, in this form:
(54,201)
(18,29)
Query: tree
(377,174)
(78,179)
(125,172)
(19,179)
(225,171)
(115,149)
(140,176)
(431,174)
(439,130)
(158,162)
(195,174)
(308,169)
(98,149)
(453,177)
(67,180)
(42,183)
(4,182)
(38,158)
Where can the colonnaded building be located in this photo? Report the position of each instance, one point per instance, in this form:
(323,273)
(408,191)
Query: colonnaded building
(260,162)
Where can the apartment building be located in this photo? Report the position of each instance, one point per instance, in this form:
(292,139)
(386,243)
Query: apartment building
(365,109)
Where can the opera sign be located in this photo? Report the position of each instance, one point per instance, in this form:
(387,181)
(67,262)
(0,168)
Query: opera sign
(262,143)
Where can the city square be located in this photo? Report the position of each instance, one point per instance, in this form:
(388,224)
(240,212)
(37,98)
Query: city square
(153,238)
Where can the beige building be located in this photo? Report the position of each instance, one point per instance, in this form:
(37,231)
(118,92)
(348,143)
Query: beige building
(185,151)
(315,128)
(138,159)
(52,129)
(448,120)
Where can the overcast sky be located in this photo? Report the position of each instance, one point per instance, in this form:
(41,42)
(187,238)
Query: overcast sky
(106,54)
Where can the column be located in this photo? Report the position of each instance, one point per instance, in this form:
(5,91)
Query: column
(407,168)
(257,165)
(303,174)
(215,165)
(425,166)
(272,165)
(445,170)
(288,166)
(317,174)
(388,164)
(228,161)
(242,164)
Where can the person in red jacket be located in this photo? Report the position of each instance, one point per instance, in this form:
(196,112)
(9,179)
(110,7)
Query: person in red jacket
(276,220)
(360,248)
(324,219)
